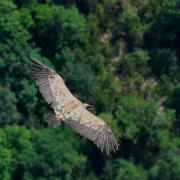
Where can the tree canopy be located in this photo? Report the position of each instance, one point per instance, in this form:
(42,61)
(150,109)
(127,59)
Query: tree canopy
(122,57)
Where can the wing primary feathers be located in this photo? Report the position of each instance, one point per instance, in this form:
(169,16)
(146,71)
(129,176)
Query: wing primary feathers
(44,77)
(111,142)
(37,63)
(103,140)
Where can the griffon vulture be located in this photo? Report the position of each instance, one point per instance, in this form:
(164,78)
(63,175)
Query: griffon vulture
(71,110)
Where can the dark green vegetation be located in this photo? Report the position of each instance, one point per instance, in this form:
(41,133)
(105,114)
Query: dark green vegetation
(123,57)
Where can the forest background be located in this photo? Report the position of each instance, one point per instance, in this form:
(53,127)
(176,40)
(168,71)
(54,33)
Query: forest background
(123,57)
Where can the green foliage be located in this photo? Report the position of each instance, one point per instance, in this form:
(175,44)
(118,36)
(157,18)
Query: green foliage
(65,29)
(174,100)
(108,93)
(5,165)
(76,75)
(63,160)
(124,169)
(30,156)
(137,115)
(8,109)
(164,61)
(27,95)
(167,165)
(16,141)
(164,52)
(122,57)
(129,22)
(134,63)
(127,170)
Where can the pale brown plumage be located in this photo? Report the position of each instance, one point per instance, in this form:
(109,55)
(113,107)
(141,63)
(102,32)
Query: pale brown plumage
(69,109)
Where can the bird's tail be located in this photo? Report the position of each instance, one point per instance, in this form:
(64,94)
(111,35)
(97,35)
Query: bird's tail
(52,120)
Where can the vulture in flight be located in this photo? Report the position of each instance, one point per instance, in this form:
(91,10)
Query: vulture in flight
(71,110)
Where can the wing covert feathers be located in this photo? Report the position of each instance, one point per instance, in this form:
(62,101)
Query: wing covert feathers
(70,109)
(51,86)
(93,128)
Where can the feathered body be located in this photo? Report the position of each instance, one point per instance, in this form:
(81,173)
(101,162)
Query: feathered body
(69,109)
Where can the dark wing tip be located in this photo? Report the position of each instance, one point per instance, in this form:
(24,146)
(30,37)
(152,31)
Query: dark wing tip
(37,64)
(39,70)
(42,76)
(108,142)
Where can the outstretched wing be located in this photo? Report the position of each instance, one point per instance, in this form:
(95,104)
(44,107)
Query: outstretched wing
(93,128)
(55,92)
(52,86)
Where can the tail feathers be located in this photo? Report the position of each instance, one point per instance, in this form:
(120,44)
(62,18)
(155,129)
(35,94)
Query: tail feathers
(52,120)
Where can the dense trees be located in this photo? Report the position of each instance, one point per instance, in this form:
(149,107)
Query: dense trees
(29,154)
(120,56)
